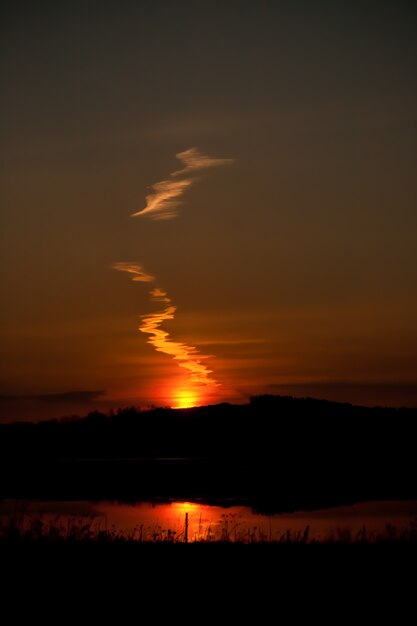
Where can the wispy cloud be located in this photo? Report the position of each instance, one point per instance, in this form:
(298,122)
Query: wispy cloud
(136,271)
(186,356)
(162,203)
(159,296)
(65,397)
(195,161)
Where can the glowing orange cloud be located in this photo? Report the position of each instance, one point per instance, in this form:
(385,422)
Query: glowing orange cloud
(136,271)
(159,296)
(194,161)
(162,203)
(186,356)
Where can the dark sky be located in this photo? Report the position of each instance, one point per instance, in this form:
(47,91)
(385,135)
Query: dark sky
(293,266)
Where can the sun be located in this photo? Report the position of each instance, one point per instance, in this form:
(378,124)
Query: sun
(185,399)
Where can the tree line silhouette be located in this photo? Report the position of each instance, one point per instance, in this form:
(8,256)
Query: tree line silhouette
(275,453)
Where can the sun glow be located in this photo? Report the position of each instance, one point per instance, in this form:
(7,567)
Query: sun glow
(185,399)
(181,508)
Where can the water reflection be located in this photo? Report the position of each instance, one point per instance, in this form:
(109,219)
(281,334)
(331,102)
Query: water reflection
(159,522)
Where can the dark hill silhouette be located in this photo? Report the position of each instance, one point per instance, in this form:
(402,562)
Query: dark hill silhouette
(275,453)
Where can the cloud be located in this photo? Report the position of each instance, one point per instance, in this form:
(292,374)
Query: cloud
(360,392)
(195,161)
(186,356)
(162,203)
(65,397)
(70,396)
(138,273)
(159,296)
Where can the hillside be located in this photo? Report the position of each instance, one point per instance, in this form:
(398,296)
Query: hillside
(275,453)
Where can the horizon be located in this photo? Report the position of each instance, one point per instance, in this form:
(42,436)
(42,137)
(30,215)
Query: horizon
(112,411)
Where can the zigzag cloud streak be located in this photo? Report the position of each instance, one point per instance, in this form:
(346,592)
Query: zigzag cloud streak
(195,161)
(186,356)
(136,271)
(163,202)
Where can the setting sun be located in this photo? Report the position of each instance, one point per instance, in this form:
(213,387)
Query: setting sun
(184,399)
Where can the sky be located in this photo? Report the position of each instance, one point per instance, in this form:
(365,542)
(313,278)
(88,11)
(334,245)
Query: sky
(202,201)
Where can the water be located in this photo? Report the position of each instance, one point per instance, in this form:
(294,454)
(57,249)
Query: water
(155,522)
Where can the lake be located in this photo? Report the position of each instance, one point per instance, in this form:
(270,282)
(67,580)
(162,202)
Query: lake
(150,521)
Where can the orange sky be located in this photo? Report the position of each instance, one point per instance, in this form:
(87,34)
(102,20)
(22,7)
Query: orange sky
(256,163)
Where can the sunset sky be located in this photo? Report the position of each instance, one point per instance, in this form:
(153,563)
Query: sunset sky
(205,200)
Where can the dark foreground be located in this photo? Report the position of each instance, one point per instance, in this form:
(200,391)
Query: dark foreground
(274,454)
(222,565)
(225,558)
(209,583)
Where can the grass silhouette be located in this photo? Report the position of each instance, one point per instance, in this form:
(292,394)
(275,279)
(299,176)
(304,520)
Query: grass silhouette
(87,530)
